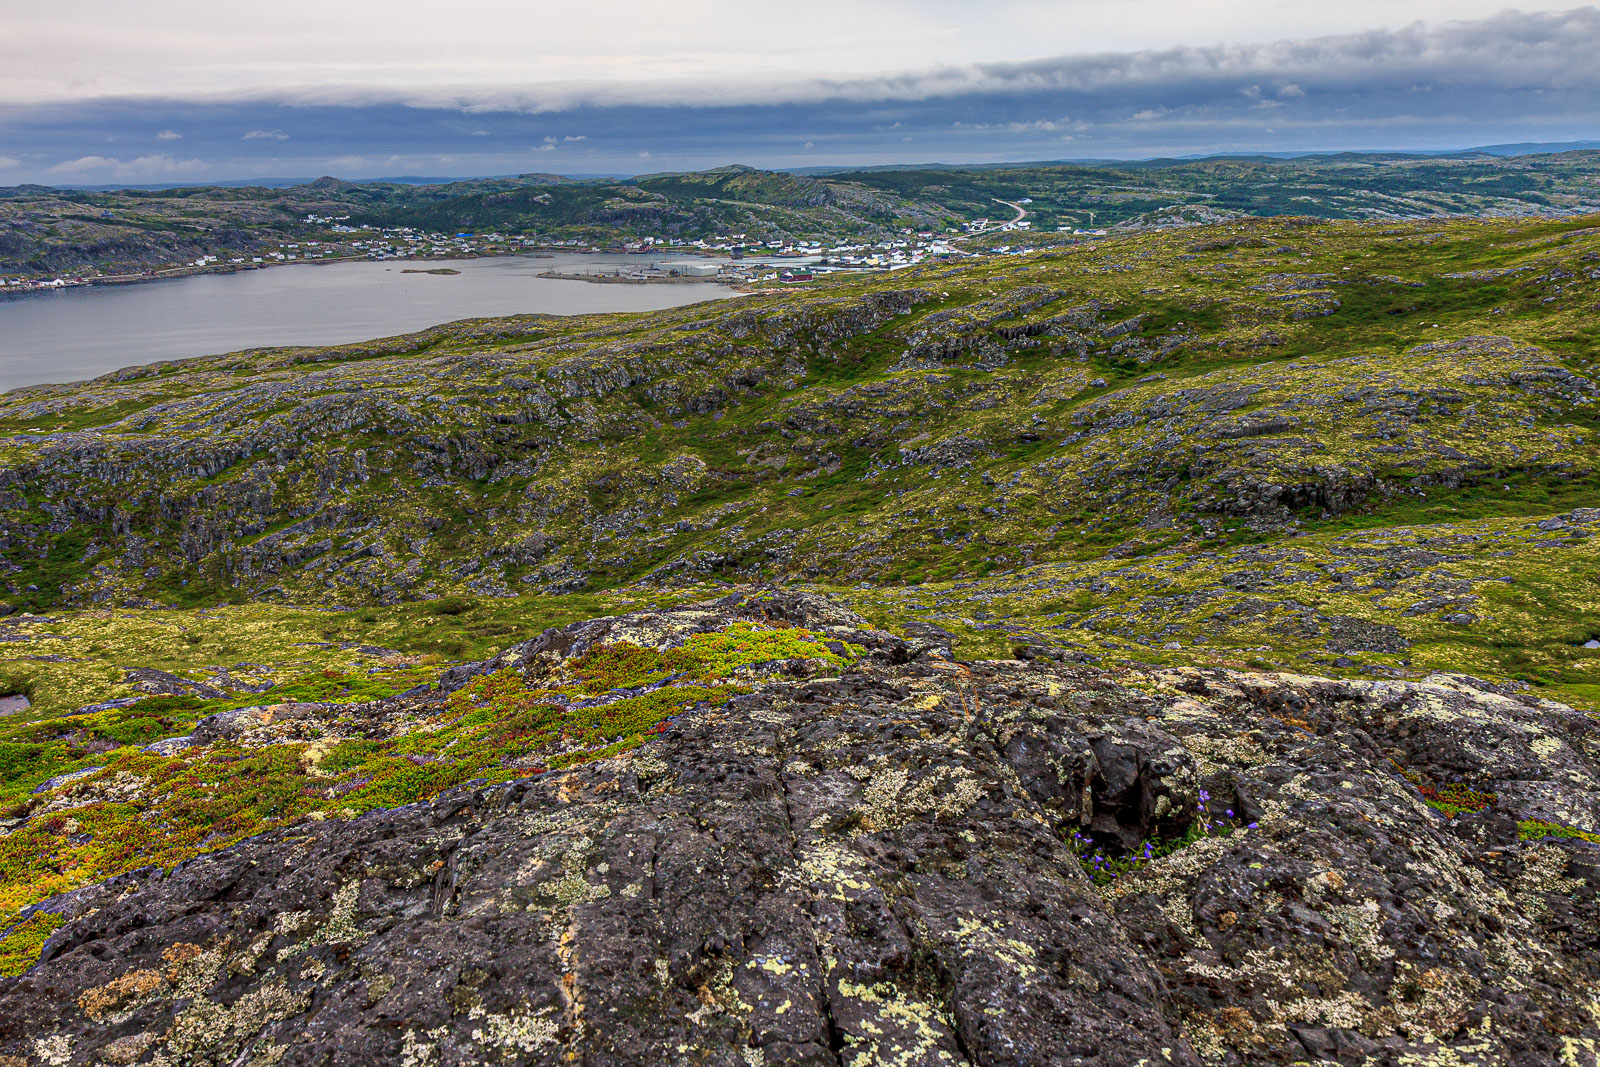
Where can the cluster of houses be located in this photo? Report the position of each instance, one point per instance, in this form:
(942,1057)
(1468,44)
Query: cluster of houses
(401,242)
(977,226)
(735,273)
(750,254)
(22,285)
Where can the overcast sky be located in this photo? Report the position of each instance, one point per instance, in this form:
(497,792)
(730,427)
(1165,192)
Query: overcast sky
(165,90)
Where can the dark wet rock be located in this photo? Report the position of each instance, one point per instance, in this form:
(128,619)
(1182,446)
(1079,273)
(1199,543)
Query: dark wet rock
(1348,634)
(160,683)
(924,637)
(170,746)
(875,868)
(107,705)
(66,779)
(238,724)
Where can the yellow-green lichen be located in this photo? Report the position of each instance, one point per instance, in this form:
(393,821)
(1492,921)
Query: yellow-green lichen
(19,948)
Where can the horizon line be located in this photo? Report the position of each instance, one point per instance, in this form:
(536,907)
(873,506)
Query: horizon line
(1532,148)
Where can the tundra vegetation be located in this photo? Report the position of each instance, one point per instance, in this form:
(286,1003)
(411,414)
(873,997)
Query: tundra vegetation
(1184,643)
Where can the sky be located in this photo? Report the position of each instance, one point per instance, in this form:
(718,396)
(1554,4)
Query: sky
(169,91)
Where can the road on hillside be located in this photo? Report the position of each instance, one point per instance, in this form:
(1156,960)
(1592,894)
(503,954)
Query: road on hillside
(1021,214)
(993,226)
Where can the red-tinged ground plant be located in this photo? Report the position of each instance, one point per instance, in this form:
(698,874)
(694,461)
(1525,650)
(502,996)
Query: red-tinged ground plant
(140,808)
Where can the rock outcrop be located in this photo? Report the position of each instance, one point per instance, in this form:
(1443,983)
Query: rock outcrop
(894,858)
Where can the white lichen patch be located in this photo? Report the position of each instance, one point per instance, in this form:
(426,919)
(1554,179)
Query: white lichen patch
(1362,926)
(54,1051)
(514,1031)
(1543,873)
(129,1049)
(1545,747)
(217,1030)
(946,793)
(416,1052)
(340,927)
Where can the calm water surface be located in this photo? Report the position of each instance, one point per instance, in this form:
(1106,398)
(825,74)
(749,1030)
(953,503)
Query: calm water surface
(72,334)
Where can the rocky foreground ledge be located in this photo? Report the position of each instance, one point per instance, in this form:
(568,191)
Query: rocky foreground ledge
(859,853)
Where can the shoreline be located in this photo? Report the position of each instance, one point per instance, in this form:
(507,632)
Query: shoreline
(21,368)
(191,271)
(619,279)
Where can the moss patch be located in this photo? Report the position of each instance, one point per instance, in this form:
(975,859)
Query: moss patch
(289,762)
(1535,829)
(21,946)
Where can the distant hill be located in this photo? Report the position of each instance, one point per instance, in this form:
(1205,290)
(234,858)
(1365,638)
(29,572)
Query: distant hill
(1528,148)
(1520,149)
(1346,185)
(46,230)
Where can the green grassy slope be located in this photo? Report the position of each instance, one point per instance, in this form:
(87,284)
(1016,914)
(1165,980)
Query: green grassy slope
(1001,447)
(1331,187)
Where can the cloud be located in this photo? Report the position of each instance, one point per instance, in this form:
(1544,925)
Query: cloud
(1511,77)
(169,135)
(1040,125)
(142,169)
(101,48)
(1511,50)
(356,164)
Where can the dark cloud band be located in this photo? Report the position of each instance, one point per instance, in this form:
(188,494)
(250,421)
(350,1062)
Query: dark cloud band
(1516,76)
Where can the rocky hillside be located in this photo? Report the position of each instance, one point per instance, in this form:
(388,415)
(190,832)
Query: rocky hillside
(829,846)
(1183,649)
(687,206)
(1166,192)
(1184,388)
(45,231)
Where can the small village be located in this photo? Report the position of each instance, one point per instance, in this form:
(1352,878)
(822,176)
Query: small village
(744,258)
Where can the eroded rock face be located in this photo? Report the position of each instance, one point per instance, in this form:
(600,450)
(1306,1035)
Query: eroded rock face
(876,867)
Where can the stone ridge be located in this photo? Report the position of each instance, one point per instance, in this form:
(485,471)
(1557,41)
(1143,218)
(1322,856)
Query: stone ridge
(880,862)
